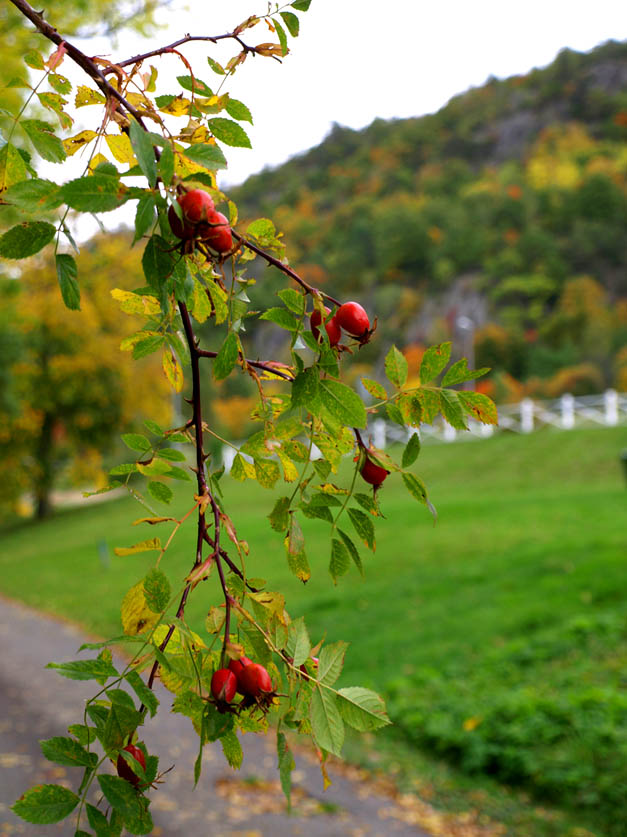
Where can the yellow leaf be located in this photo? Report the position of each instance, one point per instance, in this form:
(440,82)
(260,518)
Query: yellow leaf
(471,723)
(201,305)
(74,144)
(269,49)
(136,615)
(121,148)
(132,303)
(177,107)
(143,546)
(173,371)
(95,162)
(87,96)
(154,520)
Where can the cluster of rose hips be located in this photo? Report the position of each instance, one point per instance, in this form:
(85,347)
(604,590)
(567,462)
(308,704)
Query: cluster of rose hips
(350,316)
(244,677)
(201,222)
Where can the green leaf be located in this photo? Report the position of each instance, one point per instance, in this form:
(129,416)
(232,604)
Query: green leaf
(429,400)
(136,442)
(94,193)
(281,317)
(418,490)
(227,357)
(121,795)
(459,372)
(232,749)
(147,346)
(262,229)
(433,361)
(12,166)
(157,590)
(369,503)
(171,455)
(98,669)
(451,408)
(160,491)
(293,300)
(166,164)
(34,60)
(362,708)
(210,156)
(238,110)
(67,271)
(396,367)
(217,68)
(412,449)
(144,216)
(158,261)
(295,549)
(292,22)
(267,472)
(26,239)
(363,526)
(286,765)
(47,145)
(375,389)
(331,662)
(342,403)
(146,695)
(153,427)
(298,643)
(144,151)
(340,559)
(98,822)
(59,83)
(68,752)
(279,517)
(282,36)
(301,5)
(34,195)
(229,132)
(352,550)
(195,85)
(326,722)
(478,406)
(45,804)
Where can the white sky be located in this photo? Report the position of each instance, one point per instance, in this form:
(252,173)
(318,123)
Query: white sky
(356,60)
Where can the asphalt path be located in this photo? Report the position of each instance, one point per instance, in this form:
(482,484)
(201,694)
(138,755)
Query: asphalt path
(36,703)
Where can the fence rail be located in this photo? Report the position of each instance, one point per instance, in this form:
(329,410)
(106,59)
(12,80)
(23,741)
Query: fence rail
(609,409)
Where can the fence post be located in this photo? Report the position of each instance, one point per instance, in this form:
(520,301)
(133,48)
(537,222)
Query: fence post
(567,407)
(610,400)
(526,415)
(378,433)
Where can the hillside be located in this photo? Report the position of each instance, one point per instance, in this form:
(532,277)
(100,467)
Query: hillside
(508,206)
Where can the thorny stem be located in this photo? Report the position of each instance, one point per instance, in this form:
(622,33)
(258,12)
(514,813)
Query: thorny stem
(136,59)
(283,267)
(265,365)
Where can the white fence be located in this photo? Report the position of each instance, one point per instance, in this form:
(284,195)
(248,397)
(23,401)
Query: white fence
(609,409)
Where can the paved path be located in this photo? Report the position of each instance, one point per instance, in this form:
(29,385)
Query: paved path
(36,703)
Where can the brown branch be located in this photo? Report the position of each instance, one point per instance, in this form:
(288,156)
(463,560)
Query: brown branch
(136,59)
(265,365)
(283,267)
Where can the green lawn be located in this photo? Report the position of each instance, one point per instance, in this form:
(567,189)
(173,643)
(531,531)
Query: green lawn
(498,637)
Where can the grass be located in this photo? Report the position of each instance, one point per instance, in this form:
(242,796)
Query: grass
(498,637)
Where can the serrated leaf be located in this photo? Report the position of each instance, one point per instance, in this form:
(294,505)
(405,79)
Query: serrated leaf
(158,261)
(34,195)
(293,300)
(362,708)
(210,157)
(26,239)
(157,590)
(34,60)
(292,22)
(46,143)
(459,372)
(375,389)
(342,403)
(67,271)
(173,371)
(281,317)
(479,406)
(281,47)
(98,669)
(132,303)
(298,643)
(87,96)
(80,140)
(12,166)
(136,442)
(429,400)
(146,695)
(286,765)
(227,357)
(326,722)
(279,517)
(301,5)
(229,132)
(295,549)
(340,559)
(143,546)
(136,616)
(396,367)
(331,662)
(238,110)
(232,749)
(171,454)
(451,408)
(364,527)
(412,449)
(161,492)
(45,804)
(433,361)
(418,490)
(121,148)
(121,795)
(410,407)
(195,85)
(98,822)
(94,193)
(147,346)
(67,751)
(144,151)
(217,68)
(352,550)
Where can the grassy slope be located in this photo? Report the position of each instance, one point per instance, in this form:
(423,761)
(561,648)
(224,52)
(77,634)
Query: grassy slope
(519,586)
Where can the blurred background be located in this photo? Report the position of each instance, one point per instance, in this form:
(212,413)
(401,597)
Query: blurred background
(462,171)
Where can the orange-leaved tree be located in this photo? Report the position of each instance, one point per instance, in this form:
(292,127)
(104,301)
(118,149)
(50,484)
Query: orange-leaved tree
(166,147)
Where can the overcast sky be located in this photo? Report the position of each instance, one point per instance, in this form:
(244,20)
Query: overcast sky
(355,60)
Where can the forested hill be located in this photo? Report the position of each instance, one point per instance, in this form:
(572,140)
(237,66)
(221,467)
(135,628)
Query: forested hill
(508,205)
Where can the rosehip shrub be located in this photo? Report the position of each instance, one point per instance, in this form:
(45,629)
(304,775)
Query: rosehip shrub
(223,685)
(125,771)
(373,473)
(255,680)
(353,319)
(332,328)
(216,232)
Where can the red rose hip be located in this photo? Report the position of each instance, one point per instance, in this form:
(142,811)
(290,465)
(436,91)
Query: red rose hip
(216,232)
(333,330)
(373,473)
(237,667)
(255,680)
(125,771)
(353,319)
(197,205)
(180,228)
(223,685)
